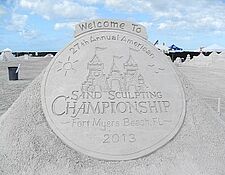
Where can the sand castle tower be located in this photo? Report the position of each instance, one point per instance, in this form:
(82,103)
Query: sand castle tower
(132,77)
(115,78)
(96,79)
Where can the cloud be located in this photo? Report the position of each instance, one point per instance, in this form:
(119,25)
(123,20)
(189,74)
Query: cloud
(65,25)
(124,5)
(183,38)
(2,10)
(18,23)
(219,32)
(169,24)
(90,2)
(163,25)
(162,16)
(28,34)
(181,14)
(191,14)
(66,9)
(146,24)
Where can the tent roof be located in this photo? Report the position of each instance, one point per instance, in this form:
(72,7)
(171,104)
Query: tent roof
(162,47)
(213,47)
(175,48)
(7,50)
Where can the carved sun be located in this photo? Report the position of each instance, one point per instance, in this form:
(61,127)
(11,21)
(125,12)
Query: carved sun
(66,65)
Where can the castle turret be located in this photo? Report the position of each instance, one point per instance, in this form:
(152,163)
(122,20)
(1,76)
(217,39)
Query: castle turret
(130,64)
(95,64)
(115,77)
(96,79)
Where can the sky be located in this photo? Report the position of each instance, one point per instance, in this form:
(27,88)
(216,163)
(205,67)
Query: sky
(48,25)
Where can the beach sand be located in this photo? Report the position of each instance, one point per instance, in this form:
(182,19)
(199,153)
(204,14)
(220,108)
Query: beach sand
(29,145)
(10,90)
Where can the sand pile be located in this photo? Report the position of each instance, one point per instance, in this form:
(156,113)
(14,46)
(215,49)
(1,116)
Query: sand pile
(10,90)
(209,83)
(28,145)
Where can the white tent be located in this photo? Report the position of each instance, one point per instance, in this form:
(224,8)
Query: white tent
(214,55)
(178,61)
(219,59)
(163,48)
(48,56)
(6,55)
(214,60)
(7,50)
(200,60)
(222,55)
(213,47)
(188,58)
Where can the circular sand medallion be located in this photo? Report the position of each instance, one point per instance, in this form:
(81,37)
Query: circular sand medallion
(112,95)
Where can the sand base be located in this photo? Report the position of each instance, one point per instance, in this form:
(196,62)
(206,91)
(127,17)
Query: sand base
(29,146)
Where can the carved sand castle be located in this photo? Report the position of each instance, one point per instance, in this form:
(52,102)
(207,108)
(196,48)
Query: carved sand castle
(97,80)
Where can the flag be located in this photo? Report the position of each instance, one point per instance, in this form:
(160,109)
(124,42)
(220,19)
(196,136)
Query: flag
(100,48)
(156,42)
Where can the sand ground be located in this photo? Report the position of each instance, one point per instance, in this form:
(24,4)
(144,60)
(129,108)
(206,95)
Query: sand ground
(10,90)
(209,82)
